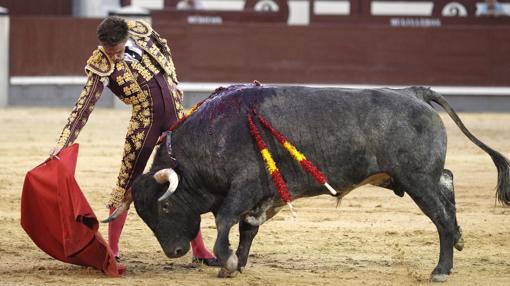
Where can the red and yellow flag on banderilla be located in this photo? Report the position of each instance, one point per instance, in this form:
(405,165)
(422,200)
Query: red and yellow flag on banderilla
(271,166)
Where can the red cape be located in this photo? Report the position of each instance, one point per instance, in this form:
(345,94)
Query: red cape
(58,218)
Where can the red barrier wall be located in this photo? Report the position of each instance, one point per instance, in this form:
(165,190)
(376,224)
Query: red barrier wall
(51,45)
(38,7)
(364,54)
(473,55)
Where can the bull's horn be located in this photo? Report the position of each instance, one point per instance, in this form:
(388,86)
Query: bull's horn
(167,176)
(124,206)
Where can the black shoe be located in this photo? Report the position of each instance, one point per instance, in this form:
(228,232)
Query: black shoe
(211,262)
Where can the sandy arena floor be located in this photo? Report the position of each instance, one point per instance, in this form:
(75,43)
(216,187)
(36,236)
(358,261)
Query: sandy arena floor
(373,238)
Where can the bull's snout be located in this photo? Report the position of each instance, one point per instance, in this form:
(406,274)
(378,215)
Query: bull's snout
(178,251)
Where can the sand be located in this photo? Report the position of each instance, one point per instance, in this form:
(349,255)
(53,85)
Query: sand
(373,238)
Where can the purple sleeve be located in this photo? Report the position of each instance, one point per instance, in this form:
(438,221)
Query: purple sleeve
(81,111)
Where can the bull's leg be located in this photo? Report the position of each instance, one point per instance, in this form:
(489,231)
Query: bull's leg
(228,260)
(426,193)
(446,187)
(247,233)
(249,227)
(232,209)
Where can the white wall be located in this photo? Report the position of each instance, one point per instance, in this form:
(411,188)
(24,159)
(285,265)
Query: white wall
(94,8)
(423,8)
(4,57)
(149,4)
(208,4)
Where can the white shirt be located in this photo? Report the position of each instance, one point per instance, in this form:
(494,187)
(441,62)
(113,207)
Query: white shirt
(132,46)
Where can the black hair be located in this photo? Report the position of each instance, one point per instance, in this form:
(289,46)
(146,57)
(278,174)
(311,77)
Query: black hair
(112,31)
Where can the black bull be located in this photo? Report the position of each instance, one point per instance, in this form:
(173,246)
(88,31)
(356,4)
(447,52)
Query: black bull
(385,137)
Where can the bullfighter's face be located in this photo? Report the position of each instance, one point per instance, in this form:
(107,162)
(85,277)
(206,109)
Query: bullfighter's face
(173,222)
(116,52)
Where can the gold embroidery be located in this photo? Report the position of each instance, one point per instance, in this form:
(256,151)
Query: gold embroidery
(128,75)
(63,138)
(136,99)
(146,122)
(99,63)
(134,125)
(127,148)
(120,80)
(177,96)
(141,119)
(148,63)
(133,94)
(142,70)
(116,197)
(166,63)
(120,66)
(154,50)
(127,90)
(141,43)
(80,111)
(139,28)
(132,86)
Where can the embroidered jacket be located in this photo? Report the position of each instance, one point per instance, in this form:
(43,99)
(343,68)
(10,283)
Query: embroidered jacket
(125,79)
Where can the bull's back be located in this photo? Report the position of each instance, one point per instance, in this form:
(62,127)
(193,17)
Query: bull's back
(349,134)
(367,131)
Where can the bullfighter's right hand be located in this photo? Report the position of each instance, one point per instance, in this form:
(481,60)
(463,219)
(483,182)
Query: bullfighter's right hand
(124,206)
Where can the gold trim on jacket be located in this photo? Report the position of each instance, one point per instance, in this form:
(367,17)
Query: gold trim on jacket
(139,28)
(99,63)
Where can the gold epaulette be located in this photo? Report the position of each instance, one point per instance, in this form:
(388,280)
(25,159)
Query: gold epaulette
(139,28)
(99,63)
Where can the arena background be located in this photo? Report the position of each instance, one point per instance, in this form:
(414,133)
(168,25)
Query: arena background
(374,237)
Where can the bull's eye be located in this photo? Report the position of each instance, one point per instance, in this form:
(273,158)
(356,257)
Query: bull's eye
(165,207)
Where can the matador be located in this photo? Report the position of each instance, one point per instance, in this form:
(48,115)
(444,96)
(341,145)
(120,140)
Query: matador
(135,63)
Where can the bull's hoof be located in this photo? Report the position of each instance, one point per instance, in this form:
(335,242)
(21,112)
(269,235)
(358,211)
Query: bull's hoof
(459,245)
(241,269)
(439,277)
(225,273)
(459,242)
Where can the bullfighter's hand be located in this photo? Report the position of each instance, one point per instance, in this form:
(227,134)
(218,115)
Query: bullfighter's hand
(179,90)
(123,207)
(54,151)
(128,199)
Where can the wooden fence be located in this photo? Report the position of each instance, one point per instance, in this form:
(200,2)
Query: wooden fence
(361,53)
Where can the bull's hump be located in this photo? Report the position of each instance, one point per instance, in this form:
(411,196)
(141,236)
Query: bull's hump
(236,98)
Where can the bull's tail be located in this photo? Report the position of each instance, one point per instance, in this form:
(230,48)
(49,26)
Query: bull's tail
(502,163)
